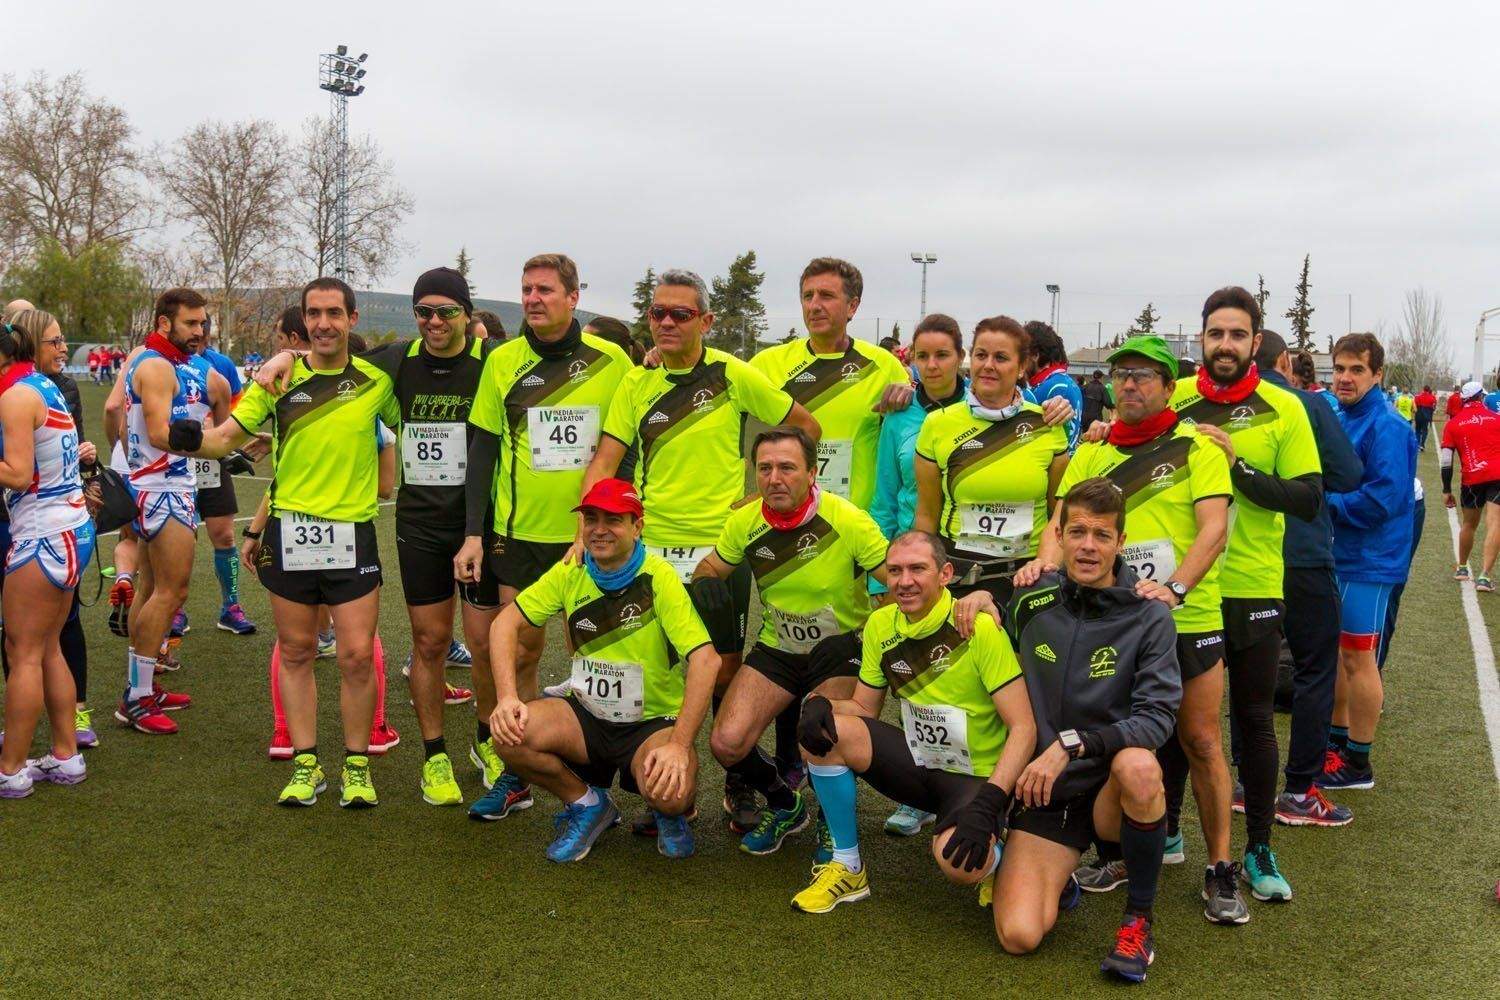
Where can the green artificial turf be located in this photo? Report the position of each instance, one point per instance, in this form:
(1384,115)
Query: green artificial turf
(171,873)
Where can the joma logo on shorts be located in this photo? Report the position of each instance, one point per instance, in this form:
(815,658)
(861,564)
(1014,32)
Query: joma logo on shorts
(1256,616)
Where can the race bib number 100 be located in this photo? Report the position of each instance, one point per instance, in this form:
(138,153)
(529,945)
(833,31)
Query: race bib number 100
(312,543)
(562,437)
(800,633)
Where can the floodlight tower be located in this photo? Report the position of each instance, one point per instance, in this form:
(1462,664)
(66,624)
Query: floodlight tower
(1054,291)
(339,74)
(924,259)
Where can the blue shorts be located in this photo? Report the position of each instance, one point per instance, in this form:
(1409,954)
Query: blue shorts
(154,508)
(62,557)
(1363,608)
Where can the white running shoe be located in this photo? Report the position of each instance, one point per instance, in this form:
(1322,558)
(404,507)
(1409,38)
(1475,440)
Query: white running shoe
(15,786)
(559,690)
(58,772)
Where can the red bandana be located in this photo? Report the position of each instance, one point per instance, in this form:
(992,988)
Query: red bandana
(1047,373)
(792,519)
(14,374)
(1236,392)
(1123,435)
(161,345)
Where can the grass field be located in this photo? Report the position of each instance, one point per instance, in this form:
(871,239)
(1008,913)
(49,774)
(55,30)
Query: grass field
(170,872)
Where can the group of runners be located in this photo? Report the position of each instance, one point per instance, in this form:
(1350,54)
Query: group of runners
(1057,606)
(104,363)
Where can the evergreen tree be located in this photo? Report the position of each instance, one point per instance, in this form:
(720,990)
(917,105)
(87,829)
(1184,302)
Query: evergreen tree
(896,332)
(463,265)
(1146,322)
(640,301)
(791,335)
(739,314)
(1261,293)
(1301,311)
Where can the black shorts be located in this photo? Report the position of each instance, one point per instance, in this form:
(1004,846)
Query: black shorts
(320,586)
(794,671)
(894,774)
(973,572)
(517,563)
(729,635)
(611,746)
(1198,652)
(1069,822)
(427,576)
(219,501)
(1476,496)
(1248,620)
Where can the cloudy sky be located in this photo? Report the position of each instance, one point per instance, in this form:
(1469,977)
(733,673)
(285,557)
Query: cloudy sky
(1128,152)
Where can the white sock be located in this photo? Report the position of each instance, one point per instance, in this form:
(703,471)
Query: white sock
(588,799)
(849,858)
(142,675)
(989,871)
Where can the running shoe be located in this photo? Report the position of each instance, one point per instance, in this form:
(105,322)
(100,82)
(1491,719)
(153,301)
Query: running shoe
(1101,876)
(1347,776)
(832,884)
(1312,809)
(484,757)
(328,645)
(459,655)
(235,620)
(166,659)
(823,852)
(1133,952)
(741,804)
(644,825)
(358,790)
(281,744)
(1222,902)
(455,695)
(580,826)
(1459,572)
(16,786)
(908,821)
(987,892)
(775,826)
(561,689)
(1483,585)
(1263,875)
(1071,895)
(306,785)
(794,775)
(121,597)
(439,786)
(144,715)
(383,737)
(507,795)
(1333,760)
(1237,800)
(1173,852)
(171,701)
(83,729)
(673,838)
(58,772)
(180,626)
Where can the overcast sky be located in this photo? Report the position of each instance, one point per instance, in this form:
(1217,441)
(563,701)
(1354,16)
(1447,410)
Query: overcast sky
(1128,152)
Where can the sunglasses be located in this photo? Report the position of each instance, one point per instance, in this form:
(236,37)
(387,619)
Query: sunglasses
(425,313)
(1140,376)
(679,314)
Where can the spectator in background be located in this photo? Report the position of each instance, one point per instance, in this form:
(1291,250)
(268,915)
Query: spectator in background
(1094,399)
(1426,405)
(1049,375)
(616,332)
(116,360)
(486,325)
(1455,402)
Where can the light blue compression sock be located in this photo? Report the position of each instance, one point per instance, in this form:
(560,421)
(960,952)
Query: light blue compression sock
(227,569)
(836,790)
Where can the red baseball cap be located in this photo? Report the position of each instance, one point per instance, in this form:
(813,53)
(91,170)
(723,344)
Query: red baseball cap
(615,496)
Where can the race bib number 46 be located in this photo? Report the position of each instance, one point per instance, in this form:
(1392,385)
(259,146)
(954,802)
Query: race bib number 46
(312,543)
(938,736)
(562,437)
(996,529)
(206,472)
(835,458)
(1153,560)
(614,692)
(433,454)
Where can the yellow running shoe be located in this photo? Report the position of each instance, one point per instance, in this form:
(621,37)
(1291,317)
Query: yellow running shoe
(359,790)
(484,757)
(307,781)
(439,787)
(832,884)
(987,891)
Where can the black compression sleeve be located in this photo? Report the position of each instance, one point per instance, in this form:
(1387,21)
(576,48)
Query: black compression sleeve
(484,451)
(1447,478)
(1298,497)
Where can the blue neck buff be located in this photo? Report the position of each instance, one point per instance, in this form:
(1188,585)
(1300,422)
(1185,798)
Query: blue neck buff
(619,579)
(987,413)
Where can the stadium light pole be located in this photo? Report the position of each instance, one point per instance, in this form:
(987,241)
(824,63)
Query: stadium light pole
(1054,291)
(340,74)
(924,259)
(1478,373)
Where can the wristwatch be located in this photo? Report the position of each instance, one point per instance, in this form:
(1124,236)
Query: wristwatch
(1178,590)
(1071,742)
(255,535)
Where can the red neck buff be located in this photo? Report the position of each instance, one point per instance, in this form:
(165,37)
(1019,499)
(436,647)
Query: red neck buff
(1235,392)
(1046,373)
(1123,435)
(794,518)
(14,374)
(161,345)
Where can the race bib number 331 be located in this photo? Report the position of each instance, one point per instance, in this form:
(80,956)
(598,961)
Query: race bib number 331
(313,543)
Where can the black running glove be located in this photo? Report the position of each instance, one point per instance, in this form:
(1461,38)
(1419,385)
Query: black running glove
(829,656)
(984,817)
(237,463)
(712,598)
(184,436)
(817,731)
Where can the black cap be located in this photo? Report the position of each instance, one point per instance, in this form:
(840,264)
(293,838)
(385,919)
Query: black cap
(443,281)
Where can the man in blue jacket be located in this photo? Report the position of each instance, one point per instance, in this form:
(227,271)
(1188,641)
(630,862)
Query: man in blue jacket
(1372,527)
(1312,604)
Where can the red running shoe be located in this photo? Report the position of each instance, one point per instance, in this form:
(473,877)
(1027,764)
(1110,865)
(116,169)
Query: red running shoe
(170,701)
(144,716)
(455,695)
(281,745)
(383,738)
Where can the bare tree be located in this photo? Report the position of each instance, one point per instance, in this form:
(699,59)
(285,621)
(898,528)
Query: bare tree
(68,170)
(162,266)
(377,204)
(229,184)
(1418,353)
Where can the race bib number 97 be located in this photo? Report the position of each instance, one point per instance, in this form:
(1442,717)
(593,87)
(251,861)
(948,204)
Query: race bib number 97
(835,459)
(996,529)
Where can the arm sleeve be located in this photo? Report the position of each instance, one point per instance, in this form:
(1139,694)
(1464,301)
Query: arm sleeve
(1297,497)
(1342,469)
(487,412)
(253,408)
(544,598)
(1208,470)
(484,452)
(1157,690)
(674,609)
(620,421)
(1385,490)
(1445,464)
(927,438)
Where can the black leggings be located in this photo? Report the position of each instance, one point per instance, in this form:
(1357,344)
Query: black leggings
(1252,697)
(74,649)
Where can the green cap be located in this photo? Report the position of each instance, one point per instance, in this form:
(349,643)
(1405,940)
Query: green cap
(1154,348)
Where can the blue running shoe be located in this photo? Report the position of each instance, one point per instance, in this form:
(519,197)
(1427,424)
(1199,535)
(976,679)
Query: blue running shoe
(233,619)
(579,826)
(1347,776)
(1134,951)
(1263,875)
(180,626)
(459,655)
(1072,895)
(1312,809)
(673,838)
(1172,852)
(823,854)
(507,795)
(775,826)
(907,821)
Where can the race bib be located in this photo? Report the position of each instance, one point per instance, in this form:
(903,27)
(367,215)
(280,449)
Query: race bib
(834,461)
(433,454)
(312,543)
(996,529)
(938,736)
(683,560)
(614,692)
(800,633)
(562,437)
(1153,560)
(207,473)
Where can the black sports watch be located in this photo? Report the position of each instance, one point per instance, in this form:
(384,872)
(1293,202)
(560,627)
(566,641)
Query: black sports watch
(1072,743)
(1178,590)
(254,535)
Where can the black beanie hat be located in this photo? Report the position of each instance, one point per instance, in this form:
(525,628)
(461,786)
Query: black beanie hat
(443,281)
